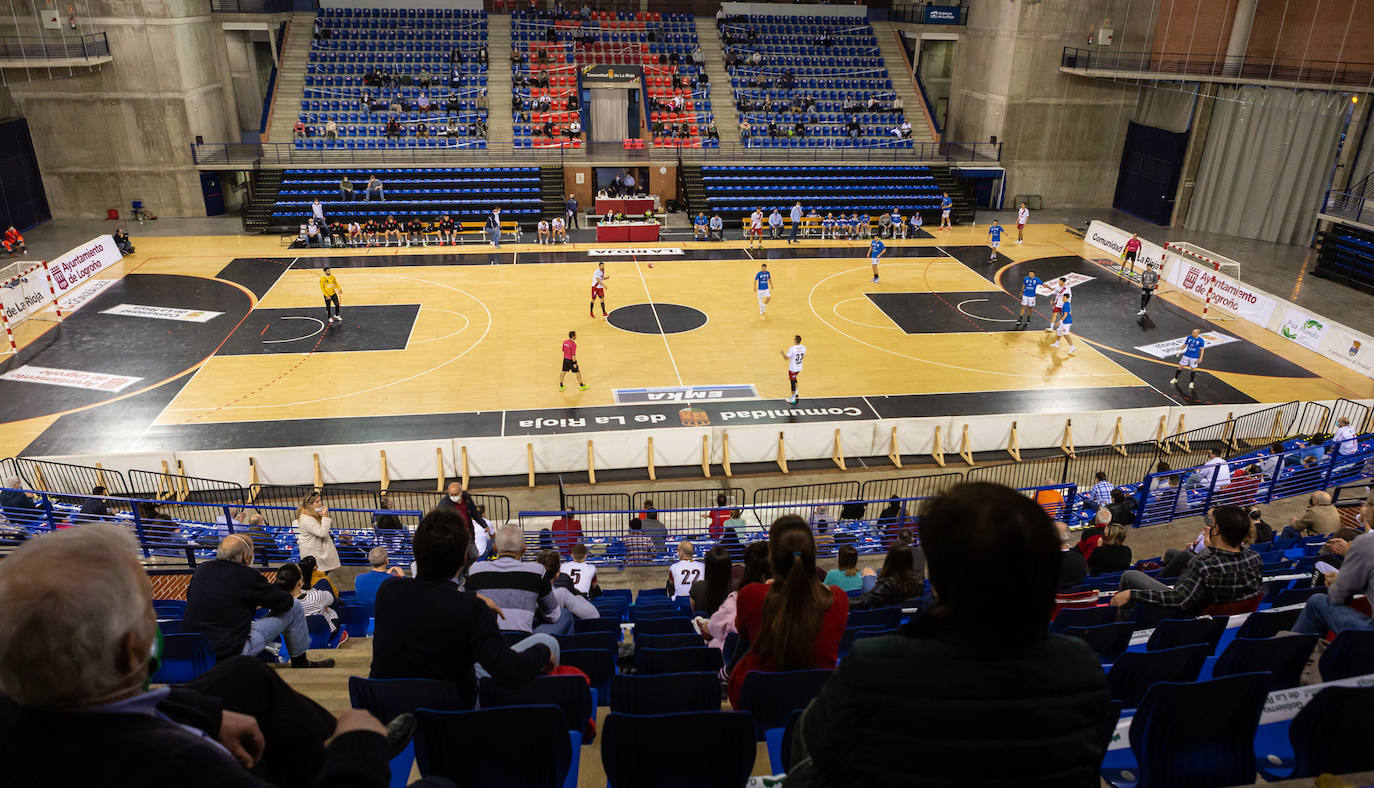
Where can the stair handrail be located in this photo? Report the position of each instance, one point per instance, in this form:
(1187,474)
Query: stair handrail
(926,109)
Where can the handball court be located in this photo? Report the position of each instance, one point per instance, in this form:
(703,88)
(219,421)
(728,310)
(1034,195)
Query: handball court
(221,342)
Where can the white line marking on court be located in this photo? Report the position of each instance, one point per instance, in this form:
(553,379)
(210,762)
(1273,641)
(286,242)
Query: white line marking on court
(435,368)
(466,324)
(654,308)
(836,310)
(811,303)
(297,339)
(960,306)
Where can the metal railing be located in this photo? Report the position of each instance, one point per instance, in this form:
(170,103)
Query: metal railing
(1248,481)
(283,154)
(1353,203)
(869,526)
(170,532)
(59,47)
(250,6)
(1325,73)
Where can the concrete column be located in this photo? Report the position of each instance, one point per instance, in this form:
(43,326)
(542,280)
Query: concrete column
(1354,139)
(1192,157)
(1240,34)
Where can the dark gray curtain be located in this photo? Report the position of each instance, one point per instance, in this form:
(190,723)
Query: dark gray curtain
(610,114)
(1267,162)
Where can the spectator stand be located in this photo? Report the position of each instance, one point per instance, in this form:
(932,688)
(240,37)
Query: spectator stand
(811,81)
(368,71)
(735,190)
(464,194)
(856,522)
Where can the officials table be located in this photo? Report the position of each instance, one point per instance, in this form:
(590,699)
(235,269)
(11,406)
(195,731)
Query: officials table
(627,231)
(630,206)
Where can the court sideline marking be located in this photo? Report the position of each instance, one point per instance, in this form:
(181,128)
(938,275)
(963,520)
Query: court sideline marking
(654,308)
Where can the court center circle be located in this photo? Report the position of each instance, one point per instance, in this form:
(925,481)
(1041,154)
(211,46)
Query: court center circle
(657,318)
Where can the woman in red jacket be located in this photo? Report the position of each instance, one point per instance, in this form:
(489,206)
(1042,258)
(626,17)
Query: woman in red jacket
(793,622)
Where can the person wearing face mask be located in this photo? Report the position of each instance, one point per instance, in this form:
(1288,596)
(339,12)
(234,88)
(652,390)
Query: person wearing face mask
(459,501)
(313,535)
(226,593)
(77,653)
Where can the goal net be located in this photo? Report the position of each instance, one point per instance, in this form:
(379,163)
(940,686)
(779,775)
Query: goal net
(25,295)
(1210,261)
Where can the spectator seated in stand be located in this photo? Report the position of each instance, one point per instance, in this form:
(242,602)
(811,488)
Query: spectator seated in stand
(1320,518)
(365,585)
(427,628)
(518,587)
(1073,567)
(314,601)
(1227,571)
(75,667)
(1112,555)
(572,605)
(567,530)
(918,707)
(846,575)
(1333,610)
(225,594)
(898,581)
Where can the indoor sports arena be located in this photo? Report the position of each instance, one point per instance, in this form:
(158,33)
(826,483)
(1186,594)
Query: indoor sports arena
(945,363)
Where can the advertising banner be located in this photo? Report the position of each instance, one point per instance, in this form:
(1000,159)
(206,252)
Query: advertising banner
(82,263)
(1113,239)
(1307,330)
(1229,296)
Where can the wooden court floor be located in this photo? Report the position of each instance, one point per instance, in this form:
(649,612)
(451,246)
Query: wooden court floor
(443,330)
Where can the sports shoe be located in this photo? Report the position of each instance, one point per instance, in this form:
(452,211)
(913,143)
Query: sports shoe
(1141,312)
(1072,348)
(1018,241)
(591,315)
(343,637)
(303,661)
(399,732)
(339,318)
(560,386)
(1054,344)
(1191,385)
(584,387)
(1173,381)
(1051,328)
(875,279)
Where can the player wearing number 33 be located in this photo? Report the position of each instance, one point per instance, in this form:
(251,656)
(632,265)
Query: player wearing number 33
(794,356)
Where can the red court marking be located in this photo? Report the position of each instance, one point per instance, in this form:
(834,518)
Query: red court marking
(264,329)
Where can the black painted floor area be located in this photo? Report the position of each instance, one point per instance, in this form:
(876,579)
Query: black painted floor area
(948,312)
(368,327)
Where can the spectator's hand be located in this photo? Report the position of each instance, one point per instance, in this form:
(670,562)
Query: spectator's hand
(868,572)
(1120,598)
(495,608)
(1330,577)
(240,735)
(355,720)
(396,571)
(1292,521)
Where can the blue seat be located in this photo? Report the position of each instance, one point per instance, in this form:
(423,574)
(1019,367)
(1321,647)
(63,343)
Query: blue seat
(447,743)
(605,624)
(1174,632)
(1317,740)
(170,608)
(644,751)
(571,694)
(888,617)
(1195,733)
(687,640)
(1350,654)
(678,660)
(1108,641)
(357,619)
(673,625)
(602,641)
(665,693)
(599,666)
(1282,657)
(770,698)
(184,657)
(320,636)
(1083,617)
(1134,672)
(387,698)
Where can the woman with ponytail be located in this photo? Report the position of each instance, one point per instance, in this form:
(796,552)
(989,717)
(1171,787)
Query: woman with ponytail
(793,622)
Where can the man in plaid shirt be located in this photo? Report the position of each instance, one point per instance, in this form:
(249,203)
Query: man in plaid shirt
(1101,491)
(1227,571)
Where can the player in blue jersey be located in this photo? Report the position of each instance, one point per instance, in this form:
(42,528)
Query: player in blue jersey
(994,238)
(875,250)
(946,205)
(1193,346)
(763,282)
(1065,327)
(1028,286)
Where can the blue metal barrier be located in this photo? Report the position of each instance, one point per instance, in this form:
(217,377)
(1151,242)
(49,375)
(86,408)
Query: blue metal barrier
(1260,477)
(858,523)
(194,531)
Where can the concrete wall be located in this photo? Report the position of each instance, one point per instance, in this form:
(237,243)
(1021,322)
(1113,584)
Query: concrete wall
(1062,134)
(122,133)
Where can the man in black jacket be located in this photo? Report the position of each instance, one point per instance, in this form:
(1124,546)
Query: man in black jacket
(225,594)
(428,629)
(16,505)
(1072,566)
(74,669)
(95,508)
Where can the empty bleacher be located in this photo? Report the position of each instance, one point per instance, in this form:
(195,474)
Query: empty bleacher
(552,48)
(404,42)
(1346,254)
(463,193)
(735,190)
(834,62)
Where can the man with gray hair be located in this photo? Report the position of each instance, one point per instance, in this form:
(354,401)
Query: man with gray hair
(226,593)
(365,584)
(16,505)
(1073,567)
(1332,610)
(77,652)
(517,586)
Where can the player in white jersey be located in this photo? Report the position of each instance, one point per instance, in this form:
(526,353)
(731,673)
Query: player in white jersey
(685,572)
(794,356)
(1022,216)
(582,574)
(1057,291)
(599,277)
(756,227)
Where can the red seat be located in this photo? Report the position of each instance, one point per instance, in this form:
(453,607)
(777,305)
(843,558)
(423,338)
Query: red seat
(1234,608)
